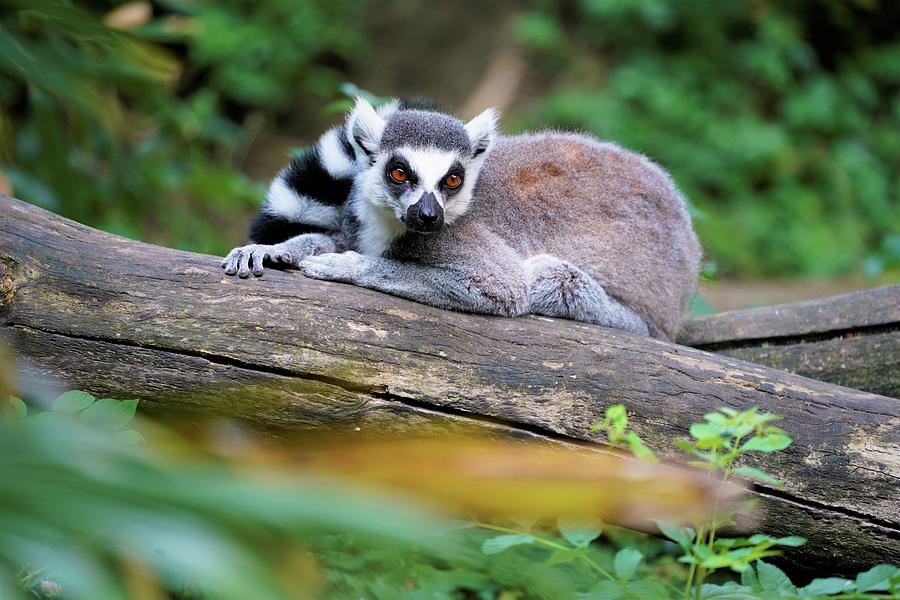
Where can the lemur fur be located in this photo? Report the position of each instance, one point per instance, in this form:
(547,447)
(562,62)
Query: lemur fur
(415,203)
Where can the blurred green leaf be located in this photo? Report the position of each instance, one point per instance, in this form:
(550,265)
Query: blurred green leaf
(129,436)
(876,579)
(579,533)
(618,417)
(565,555)
(605,590)
(73,401)
(683,536)
(757,474)
(19,407)
(109,413)
(773,580)
(79,504)
(827,586)
(647,589)
(502,542)
(626,562)
(768,443)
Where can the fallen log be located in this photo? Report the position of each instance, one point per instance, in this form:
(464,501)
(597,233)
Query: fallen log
(851,340)
(125,319)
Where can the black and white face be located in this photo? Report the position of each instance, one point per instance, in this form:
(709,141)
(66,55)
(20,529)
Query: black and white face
(425,184)
(424,165)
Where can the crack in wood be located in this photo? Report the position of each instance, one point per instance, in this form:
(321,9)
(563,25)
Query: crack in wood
(800,339)
(217,359)
(808,503)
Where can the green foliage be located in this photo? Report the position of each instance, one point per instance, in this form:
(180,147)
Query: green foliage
(140,132)
(575,549)
(725,437)
(84,515)
(779,120)
(769,582)
(107,414)
(85,512)
(626,563)
(579,533)
(728,434)
(357,568)
(256,54)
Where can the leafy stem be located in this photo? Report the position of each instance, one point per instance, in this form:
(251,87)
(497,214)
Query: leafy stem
(557,546)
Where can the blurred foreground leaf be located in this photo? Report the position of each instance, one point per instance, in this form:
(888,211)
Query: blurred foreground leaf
(93,513)
(503,477)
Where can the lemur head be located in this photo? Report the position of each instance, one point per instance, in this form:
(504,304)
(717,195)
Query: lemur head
(420,165)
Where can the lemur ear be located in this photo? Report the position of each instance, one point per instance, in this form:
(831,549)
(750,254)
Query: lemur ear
(482,130)
(364,127)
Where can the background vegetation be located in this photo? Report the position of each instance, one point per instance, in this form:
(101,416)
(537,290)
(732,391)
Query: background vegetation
(778,119)
(91,507)
(162,120)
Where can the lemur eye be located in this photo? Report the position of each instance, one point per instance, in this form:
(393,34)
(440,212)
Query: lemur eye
(453,180)
(399,175)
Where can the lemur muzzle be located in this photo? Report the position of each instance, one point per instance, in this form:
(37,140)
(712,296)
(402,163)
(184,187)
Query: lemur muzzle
(426,215)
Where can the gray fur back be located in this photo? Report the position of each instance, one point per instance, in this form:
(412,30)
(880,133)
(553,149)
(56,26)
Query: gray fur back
(611,212)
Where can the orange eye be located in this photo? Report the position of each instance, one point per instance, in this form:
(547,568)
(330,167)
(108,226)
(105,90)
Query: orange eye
(453,180)
(399,175)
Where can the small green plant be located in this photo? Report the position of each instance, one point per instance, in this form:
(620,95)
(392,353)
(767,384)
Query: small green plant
(614,424)
(718,444)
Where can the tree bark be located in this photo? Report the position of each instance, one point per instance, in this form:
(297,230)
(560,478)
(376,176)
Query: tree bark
(126,319)
(851,340)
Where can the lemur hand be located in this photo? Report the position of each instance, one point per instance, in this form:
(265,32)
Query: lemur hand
(345,266)
(285,254)
(249,259)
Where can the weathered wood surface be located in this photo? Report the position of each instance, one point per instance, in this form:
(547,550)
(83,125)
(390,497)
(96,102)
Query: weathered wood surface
(851,340)
(126,319)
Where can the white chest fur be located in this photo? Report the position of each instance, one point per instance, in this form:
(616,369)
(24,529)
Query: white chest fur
(379,226)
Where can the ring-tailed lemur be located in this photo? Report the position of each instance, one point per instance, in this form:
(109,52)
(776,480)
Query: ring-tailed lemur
(418,204)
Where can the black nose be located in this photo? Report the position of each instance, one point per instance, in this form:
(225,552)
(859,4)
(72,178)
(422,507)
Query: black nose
(429,209)
(426,214)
